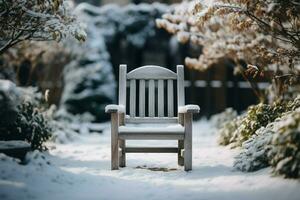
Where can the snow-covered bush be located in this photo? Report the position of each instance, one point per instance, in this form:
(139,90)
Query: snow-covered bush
(9,99)
(252,31)
(254,153)
(89,83)
(256,117)
(227,130)
(285,146)
(88,88)
(218,120)
(22,20)
(275,144)
(240,129)
(134,23)
(29,124)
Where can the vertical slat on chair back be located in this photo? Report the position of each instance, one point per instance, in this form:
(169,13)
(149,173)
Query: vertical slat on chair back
(132,97)
(142,98)
(170,98)
(180,86)
(122,85)
(150,88)
(160,96)
(151,95)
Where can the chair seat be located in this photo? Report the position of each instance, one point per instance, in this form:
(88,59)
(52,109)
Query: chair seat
(152,132)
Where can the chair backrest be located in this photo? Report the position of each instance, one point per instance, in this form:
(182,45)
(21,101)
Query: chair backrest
(150,89)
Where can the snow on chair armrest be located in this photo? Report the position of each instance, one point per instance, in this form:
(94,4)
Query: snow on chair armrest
(114,108)
(189,109)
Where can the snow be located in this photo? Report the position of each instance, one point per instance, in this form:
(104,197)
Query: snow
(13,144)
(113,107)
(152,128)
(81,170)
(189,108)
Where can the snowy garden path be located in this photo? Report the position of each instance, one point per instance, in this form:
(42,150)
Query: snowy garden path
(81,170)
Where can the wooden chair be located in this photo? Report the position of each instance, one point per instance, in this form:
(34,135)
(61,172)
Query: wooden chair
(135,126)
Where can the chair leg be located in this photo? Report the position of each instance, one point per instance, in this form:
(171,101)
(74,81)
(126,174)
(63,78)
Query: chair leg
(180,147)
(114,142)
(188,141)
(122,161)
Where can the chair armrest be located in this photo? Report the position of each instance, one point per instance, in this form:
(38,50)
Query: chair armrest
(189,109)
(112,108)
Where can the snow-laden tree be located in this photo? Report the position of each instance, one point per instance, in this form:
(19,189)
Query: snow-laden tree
(22,20)
(263,33)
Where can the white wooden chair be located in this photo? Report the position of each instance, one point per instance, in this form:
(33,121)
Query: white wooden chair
(135,126)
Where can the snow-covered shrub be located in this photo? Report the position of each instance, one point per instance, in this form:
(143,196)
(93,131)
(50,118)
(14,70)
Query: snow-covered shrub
(89,83)
(218,120)
(254,153)
(257,116)
(9,99)
(269,145)
(226,132)
(22,20)
(134,23)
(254,32)
(240,129)
(285,146)
(29,124)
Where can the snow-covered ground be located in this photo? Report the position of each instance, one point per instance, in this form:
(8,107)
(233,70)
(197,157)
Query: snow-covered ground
(81,170)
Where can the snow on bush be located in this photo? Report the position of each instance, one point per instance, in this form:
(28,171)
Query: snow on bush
(250,33)
(285,152)
(227,130)
(29,124)
(257,116)
(220,119)
(254,154)
(276,144)
(9,99)
(89,83)
(243,127)
(22,20)
(134,23)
